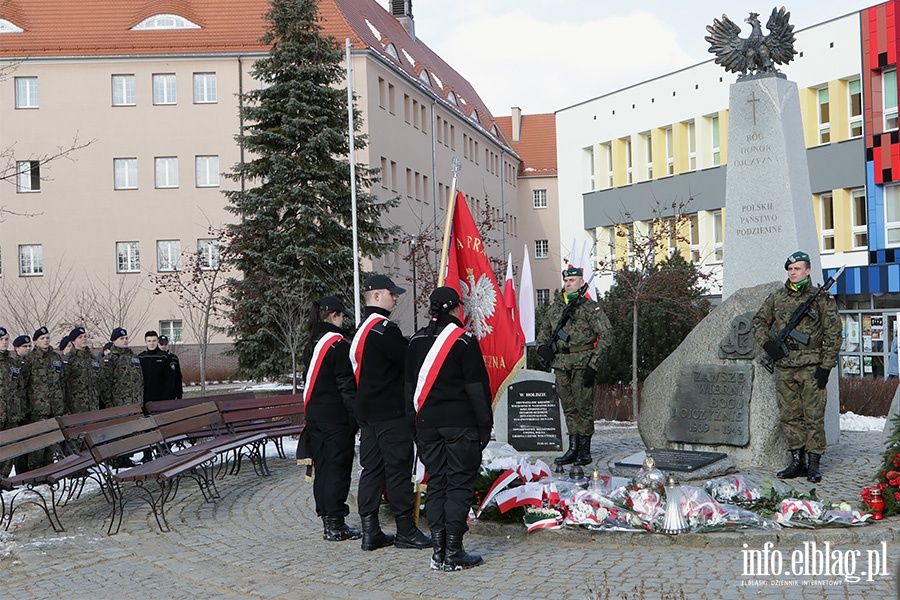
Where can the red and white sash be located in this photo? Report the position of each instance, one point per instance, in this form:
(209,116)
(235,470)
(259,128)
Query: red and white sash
(433,362)
(359,342)
(322,347)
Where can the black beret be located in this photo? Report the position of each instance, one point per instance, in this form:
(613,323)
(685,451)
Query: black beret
(3,332)
(64,342)
(75,333)
(21,341)
(39,332)
(117,333)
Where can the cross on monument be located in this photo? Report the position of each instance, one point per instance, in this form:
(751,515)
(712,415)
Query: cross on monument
(752,101)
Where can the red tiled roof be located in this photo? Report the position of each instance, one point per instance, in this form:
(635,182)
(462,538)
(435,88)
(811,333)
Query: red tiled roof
(536,145)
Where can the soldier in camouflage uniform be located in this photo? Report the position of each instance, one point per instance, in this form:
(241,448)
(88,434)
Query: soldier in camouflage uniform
(11,392)
(802,374)
(575,364)
(121,379)
(45,389)
(82,375)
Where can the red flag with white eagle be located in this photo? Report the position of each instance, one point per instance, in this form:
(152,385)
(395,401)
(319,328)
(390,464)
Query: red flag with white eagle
(484,310)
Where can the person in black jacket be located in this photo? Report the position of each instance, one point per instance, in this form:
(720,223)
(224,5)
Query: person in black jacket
(448,388)
(378,356)
(155,365)
(174,381)
(329,393)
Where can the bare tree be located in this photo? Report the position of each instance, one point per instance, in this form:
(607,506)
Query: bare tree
(32,302)
(290,317)
(100,306)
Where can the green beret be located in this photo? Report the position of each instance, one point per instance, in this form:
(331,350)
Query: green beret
(796,257)
(573,272)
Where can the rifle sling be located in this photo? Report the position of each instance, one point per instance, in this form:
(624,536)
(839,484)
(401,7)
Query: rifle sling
(574,349)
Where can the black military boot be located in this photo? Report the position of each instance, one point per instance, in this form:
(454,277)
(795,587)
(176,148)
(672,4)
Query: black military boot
(408,535)
(812,468)
(338,531)
(584,451)
(456,558)
(797,466)
(373,537)
(439,543)
(571,454)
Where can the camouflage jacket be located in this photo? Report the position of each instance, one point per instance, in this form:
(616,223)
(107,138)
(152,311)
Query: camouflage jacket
(822,323)
(43,373)
(12,390)
(121,378)
(82,381)
(589,334)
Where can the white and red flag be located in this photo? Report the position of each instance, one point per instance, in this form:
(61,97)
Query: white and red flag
(526,299)
(509,299)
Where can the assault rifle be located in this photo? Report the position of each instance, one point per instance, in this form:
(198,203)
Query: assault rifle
(778,348)
(548,350)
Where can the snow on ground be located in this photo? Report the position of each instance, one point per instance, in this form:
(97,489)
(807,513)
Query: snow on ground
(853,422)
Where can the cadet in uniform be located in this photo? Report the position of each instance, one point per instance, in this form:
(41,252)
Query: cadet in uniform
(575,363)
(802,374)
(174,382)
(11,392)
(121,379)
(45,391)
(447,387)
(82,375)
(155,365)
(22,346)
(378,356)
(328,395)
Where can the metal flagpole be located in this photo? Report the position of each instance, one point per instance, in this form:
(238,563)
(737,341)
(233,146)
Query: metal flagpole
(356,300)
(455,166)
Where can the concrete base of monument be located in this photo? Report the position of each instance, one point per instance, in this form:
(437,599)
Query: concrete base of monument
(683,465)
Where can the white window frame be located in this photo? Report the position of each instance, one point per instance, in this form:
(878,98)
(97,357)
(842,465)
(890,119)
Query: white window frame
(209,251)
(859,231)
(123,90)
(542,295)
(716,138)
(125,174)
(648,149)
(670,152)
(692,145)
(629,161)
(892,221)
(205,88)
(28,176)
(172,329)
(889,112)
(168,256)
(207,170)
(165,89)
(27,92)
(128,257)
(718,236)
(31,260)
(541,249)
(610,169)
(826,235)
(165,172)
(539,198)
(695,238)
(855,121)
(823,115)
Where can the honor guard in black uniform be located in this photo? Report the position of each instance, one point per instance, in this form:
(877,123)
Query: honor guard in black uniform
(450,393)
(329,394)
(174,381)
(155,366)
(378,356)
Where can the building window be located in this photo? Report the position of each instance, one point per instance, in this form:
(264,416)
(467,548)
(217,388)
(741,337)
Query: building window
(165,21)
(716,141)
(824,115)
(629,162)
(541,249)
(609,166)
(172,330)
(128,257)
(892,210)
(695,239)
(168,255)
(540,198)
(719,235)
(889,94)
(826,219)
(167,172)
(856,116)
(670,153)
(31,260)
(125,170)
(26,92)
(543,296)
(859,217)
(205,88)
(28,176)
(210,254)
(123,90)
(164,91)
(692,145)
(629,245)
(207,168)
(648,149)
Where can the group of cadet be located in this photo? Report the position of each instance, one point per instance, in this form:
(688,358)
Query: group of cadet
(430,392)
(39,381)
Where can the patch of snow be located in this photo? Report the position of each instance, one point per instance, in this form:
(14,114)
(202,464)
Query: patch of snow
(603,424)
(854,422)
(374,30)
(437,80)
(409,57)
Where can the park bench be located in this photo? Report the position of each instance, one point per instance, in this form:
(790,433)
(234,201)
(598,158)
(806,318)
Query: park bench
(59,477)
(159,406)
(164,472)
(276,417)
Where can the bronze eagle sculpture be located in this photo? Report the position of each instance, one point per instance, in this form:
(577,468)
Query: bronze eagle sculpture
(758,53)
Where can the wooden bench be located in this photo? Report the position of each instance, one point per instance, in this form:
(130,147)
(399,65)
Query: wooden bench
(270,416)
(165,471)
(75,426)
(160,406)
(56,476)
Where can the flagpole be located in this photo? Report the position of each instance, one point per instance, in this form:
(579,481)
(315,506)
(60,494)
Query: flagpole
(455,166)
(356,311)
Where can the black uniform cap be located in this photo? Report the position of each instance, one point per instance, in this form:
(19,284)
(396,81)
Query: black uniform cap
(446,297)
(381,282)
(332,304)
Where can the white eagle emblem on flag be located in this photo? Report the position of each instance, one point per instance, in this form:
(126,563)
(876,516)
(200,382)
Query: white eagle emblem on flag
(480,299)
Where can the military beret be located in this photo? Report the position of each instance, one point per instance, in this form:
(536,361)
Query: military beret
(3,332)
(381,282)
(39,332)
(445,297)
(332,304)
(107,345)
(75,333)
(796,257)
(21,341)
(64,342)
(573,272)
(117,333)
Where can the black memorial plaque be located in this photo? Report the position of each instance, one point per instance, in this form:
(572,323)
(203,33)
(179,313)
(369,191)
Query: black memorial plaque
(711,405)
(533,416)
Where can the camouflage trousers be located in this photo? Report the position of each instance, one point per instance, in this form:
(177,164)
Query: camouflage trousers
(577,401)
(801,407)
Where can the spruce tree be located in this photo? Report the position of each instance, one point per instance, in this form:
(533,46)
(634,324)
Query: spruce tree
(293,235)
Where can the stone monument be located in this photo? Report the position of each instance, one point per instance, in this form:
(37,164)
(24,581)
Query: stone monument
(529,416)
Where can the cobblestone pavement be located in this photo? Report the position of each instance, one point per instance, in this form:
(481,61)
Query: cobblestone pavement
(262,540)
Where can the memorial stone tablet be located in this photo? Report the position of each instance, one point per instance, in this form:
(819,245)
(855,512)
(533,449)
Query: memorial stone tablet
(711,405)
(533,417)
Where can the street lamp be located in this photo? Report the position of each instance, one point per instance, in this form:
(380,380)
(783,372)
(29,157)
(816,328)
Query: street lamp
(412,244)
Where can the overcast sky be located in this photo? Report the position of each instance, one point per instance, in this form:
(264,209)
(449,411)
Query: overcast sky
(544,55)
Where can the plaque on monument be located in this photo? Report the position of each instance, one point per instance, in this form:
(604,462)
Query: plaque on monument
(711,405)
(684,461)
(533,417)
